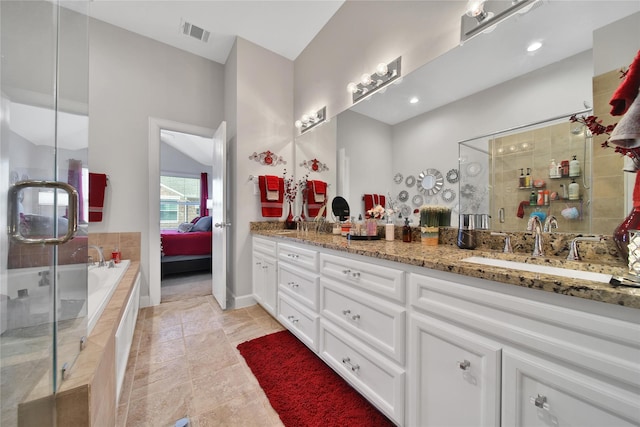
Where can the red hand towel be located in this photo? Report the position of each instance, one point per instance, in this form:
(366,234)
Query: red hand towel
(272,182)
(628,90)
(97,185)
(520,213)
(373,200)
(313,205)
(271,209)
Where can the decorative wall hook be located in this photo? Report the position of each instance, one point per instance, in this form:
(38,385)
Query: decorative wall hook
(314,165)
(267,158)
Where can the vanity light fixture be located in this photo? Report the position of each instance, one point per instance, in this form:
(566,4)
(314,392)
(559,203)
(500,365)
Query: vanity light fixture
(483,15)
(308,121)
(371,83)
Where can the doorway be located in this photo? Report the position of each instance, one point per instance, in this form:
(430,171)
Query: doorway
(156,126)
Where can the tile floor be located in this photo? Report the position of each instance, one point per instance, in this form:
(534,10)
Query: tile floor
(184,362)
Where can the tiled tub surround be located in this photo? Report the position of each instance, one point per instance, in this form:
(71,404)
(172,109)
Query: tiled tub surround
(448,258)
(88,395)
(89,392)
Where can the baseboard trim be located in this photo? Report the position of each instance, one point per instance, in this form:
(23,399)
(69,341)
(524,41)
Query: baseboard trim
(243,301)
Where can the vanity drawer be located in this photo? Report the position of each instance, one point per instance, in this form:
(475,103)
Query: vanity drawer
(373,278)
(379,380)
(298,256)
(301,284)
(265,246)
(302,322)
(375,321)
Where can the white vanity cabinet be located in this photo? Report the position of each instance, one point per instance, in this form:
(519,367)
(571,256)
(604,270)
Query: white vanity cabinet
(298,287)
(540,359)
(455,375)
(124,334)
(264,274)
(363,328)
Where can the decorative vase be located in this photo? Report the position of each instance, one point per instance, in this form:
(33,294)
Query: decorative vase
(631,222)
(289,223)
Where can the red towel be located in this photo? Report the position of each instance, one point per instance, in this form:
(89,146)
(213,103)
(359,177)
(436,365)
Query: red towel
(628,90)
(273,182)
(313,204)
(520,212)
(97,185)
(373,200)
(271,208)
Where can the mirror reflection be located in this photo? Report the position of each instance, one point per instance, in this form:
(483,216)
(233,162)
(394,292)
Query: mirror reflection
(483,87)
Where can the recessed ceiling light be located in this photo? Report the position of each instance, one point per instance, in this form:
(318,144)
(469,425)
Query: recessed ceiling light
(414,100)
(534,46)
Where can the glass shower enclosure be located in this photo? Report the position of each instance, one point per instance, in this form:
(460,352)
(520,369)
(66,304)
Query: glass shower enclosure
(43,193)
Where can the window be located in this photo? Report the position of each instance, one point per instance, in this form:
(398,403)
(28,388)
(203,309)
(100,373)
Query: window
(179,200)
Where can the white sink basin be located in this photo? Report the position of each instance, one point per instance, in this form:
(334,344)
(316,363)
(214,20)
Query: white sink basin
(543,269)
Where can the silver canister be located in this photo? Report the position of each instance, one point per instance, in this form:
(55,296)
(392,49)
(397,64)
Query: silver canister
(466,231)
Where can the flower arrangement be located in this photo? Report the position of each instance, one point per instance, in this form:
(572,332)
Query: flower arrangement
(377,212)
(291,186)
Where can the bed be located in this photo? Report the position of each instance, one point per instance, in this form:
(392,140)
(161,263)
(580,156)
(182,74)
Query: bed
(187,249)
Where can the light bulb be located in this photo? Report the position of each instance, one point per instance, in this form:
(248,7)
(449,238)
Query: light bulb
(365,79)
(298,124)
(475,9)
(305,118)
(534,46)
(352,87)
(382,69)
(414,100)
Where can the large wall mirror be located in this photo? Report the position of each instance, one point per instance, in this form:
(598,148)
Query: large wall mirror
(488,85)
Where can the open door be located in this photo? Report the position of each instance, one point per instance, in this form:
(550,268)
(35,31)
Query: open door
(219,216)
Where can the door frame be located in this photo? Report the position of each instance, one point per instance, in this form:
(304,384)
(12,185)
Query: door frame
(155,125)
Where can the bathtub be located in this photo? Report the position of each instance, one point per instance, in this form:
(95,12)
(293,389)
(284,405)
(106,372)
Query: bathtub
(102,283)
(30,293)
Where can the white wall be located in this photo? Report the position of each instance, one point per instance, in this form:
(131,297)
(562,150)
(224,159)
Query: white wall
(175,163)
(263,87)
(362,34)
(132,78)
(369,148)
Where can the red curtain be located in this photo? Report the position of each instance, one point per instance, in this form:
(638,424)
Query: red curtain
(74,178)
(204,194)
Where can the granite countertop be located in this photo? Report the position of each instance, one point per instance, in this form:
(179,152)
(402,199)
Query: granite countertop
(449,259)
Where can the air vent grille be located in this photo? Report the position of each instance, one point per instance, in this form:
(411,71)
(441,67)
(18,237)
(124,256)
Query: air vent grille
(188,29)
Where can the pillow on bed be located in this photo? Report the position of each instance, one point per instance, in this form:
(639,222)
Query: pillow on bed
(203,224)
(185,227)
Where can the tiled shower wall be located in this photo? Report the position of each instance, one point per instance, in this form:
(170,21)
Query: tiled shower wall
(128,243)
(534,149)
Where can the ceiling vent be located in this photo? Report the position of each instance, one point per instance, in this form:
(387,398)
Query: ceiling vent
(188,29)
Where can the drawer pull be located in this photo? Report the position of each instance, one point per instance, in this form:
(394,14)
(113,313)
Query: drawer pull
(265,266)
(292,319)
(346,271)
(355,275)
(540,402)
(345,312)
(293,284)
(355,317)
(258,263)
(294,256)
(464,365)
(347,362)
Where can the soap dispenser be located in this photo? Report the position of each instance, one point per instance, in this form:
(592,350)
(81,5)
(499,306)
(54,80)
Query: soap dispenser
(521,179)
(553,169)
(574,167)
(574,190)
(527,179)
(406,231)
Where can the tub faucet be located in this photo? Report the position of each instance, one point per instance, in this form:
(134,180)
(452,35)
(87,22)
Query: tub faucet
(550,223)
(535,226)
(100,254)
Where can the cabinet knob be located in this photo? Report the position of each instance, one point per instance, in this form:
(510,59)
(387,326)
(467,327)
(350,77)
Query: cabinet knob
(355,275)
(265,266)
(464,365)
(258,263)
(345,312)
(355,317)
(346,271)
(292,319)
(540,402)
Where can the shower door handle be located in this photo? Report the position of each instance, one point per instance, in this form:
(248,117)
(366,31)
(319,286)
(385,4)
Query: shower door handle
(14,212)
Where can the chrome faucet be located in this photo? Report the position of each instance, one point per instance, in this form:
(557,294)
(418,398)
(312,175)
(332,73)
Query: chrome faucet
(507,242)
(535,226)
(573,247)
(100,254)
(550,223)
